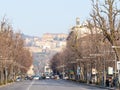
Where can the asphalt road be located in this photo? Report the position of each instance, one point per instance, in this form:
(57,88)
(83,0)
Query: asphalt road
(48,85)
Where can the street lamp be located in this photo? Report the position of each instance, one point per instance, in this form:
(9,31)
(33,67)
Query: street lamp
(115,47)
(79,68)
(87,71)
(63,70)
(74,68)
(104,75)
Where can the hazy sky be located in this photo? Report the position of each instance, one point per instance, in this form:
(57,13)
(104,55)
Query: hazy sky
(35,17)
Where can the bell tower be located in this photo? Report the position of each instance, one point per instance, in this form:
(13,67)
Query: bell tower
(77,21)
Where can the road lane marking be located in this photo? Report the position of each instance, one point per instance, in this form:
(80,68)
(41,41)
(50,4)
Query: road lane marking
(28,88)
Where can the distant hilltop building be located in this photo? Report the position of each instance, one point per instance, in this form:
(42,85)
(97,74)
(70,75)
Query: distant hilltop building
(52,36)
(42,49)
(82,30)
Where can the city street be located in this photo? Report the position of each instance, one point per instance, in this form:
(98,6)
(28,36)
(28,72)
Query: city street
(48,85)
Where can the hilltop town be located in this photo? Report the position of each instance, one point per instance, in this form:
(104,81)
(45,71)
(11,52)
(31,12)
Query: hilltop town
(43,48)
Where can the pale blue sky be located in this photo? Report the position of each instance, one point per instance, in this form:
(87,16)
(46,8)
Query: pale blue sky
(35,17)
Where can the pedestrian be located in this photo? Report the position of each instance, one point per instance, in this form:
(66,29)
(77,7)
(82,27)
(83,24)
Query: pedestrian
(107,82)
(110,82)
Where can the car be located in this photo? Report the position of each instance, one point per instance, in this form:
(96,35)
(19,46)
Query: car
(26,78)
(66,78)
(43,76)
(30,78)
(47,77)
(36,77)
(52,77)
(18,79)
(57,77)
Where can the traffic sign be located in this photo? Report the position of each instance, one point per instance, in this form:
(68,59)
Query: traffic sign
(118,65)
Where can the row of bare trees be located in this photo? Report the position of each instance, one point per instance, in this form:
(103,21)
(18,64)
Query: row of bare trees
(93,50)
(78,54)
(15,59)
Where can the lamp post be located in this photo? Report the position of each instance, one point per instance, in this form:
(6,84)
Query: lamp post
(79,68)
(5,71)
(74,68)
(104,74)
(63,70)
(115,47)
(63,66)
(87,69)
(88,73)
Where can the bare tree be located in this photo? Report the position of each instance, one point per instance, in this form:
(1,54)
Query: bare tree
(105,17)
(13,55)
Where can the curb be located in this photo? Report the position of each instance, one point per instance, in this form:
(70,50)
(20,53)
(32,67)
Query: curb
(6,84)
(94,85)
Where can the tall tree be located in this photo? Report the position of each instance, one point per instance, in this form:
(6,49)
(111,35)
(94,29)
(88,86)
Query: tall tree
(105,16)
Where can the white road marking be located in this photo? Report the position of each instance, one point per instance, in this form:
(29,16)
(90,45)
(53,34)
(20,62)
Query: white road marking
(30,85)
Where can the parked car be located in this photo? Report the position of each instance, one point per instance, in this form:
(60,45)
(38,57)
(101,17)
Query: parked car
(66,77)
(57,77)
(52,77)
(18,79)
(47,77)
(43,76)
(30,78)
(36,77)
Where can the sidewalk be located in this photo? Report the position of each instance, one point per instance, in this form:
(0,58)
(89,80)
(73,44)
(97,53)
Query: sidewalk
(109,88)
(94,85)
(6,84)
